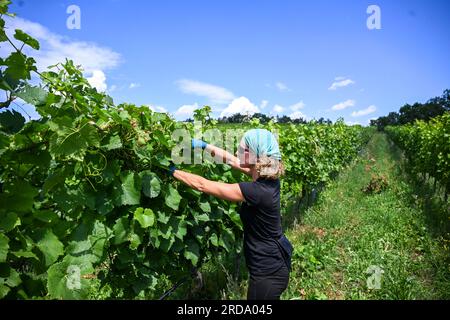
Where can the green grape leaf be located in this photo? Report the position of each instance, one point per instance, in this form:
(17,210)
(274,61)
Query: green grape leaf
(32,95)
(165,231)
(163,218)
(178,245)
(131,188)
(11,121)
(192,252)
(24,254)
(70,278)
(4,290)
(179,227)
(78,247)
(55,178)
(19,67)
(3,36)
(235,217)
(120,230)
(151,185)
(18,196)
(163,160)
(9,222)
(50,246)
(47,216)
(98,238)
(205,206)
(4,246)
(145,217)
(74,142)
(214,240)
(173,198)
(154,236)
(166,244)
(9,276)
(25,38)
(135,241)
(4,141)
(226,240)
(146,282)
(114,142)
(103,203)
(201,217)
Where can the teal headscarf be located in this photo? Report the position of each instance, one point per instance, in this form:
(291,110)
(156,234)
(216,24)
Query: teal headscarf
(262,142)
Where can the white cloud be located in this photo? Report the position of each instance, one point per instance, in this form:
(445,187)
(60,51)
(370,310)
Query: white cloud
(55,48)
(187,110)
(156,108)
(298,115)
(240,105)
(112,88)
(340,82)
(134,85)
(297,106)
(98,80)
(282,87)
(343,105)
(264,104)
(351,123)
(368,110)
(277,109)
(215,93)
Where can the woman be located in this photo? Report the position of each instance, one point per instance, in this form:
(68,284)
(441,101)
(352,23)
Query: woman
(267,252)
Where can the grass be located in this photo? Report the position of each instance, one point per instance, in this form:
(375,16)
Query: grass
(402,229)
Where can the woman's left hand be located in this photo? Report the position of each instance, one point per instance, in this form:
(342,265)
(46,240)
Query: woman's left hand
(172,168)
(198,144)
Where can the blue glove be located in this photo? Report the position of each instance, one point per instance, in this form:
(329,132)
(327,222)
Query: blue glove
(172,168)
(198,144)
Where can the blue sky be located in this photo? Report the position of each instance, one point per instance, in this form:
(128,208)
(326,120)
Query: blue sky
(275,57)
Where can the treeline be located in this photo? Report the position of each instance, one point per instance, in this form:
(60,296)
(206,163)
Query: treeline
(264,119)
(418,111)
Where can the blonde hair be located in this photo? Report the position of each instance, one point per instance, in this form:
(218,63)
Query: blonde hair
(269,168)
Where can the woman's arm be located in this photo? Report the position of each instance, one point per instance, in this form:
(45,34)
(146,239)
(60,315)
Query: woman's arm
(225,191)
(227,158)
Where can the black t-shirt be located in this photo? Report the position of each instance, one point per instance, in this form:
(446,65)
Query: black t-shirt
(260,215)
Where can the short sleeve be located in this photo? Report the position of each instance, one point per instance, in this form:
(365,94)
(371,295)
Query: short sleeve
(251,193)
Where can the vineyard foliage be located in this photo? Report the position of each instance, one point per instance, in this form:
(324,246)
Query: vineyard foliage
(85,195)
(427,146)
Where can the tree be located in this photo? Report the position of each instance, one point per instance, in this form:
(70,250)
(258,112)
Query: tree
(284,119)
(418,111)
